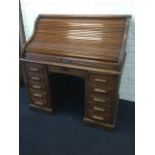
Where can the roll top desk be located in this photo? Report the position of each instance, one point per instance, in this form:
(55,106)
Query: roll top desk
(89,47)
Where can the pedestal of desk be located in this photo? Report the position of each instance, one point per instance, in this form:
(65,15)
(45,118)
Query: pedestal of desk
(100,92)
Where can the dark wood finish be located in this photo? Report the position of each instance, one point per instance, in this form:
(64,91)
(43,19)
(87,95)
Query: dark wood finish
(90,47)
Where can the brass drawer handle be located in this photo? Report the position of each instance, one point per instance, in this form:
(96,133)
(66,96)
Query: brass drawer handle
(100,80)
(38,102)
(99,100)
(100,90)
(33,69)
(37,95)
(36,86)
(98,109)
(35,78)
(98,117)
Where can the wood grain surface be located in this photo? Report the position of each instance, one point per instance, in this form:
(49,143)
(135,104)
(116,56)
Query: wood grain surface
(95,39)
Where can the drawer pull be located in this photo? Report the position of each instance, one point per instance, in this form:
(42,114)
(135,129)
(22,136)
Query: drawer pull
(35,78)
(100,80)
(38,102)
(37,95)
(98,117)
(34,69)
(100,90)
(99,100)
(36,86)
(98,109)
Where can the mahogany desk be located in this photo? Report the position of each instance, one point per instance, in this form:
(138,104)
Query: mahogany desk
(89,47)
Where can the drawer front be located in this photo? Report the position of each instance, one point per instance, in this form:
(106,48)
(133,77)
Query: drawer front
(36,77)
(100,107)
(101,91)
(100,117)
(100,81)
(36,85)
(99,99)
(34,67)
(37,93)
(38,101)
(67,70)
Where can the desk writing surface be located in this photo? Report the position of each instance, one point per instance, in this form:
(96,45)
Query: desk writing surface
(98,39)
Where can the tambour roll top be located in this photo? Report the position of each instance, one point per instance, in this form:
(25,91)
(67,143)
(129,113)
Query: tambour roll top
(88,41)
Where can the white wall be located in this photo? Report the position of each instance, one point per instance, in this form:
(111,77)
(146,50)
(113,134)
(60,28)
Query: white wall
(31,9)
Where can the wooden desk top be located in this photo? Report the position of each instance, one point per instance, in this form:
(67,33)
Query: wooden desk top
(94,38)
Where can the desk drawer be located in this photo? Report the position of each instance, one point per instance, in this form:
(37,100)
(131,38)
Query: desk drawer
(38,101)
(101,91)
(100,107)
(35,77)
(105,118)
(66,70)
(34,67)
(37,93)
(100,81)
(99,99)
(36,85)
